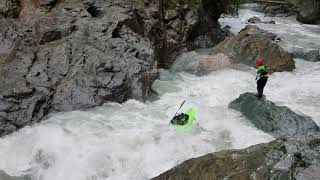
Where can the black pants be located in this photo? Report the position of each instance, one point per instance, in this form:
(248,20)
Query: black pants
(261,83)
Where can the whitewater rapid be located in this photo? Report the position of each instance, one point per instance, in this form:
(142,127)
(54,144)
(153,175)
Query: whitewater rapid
(133,140)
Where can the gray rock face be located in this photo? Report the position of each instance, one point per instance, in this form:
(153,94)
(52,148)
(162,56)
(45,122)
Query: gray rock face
(245,46)
(276,10)
(276,120)
(76,54)
(73,62)
(308,11)
(291,158)
(279,11)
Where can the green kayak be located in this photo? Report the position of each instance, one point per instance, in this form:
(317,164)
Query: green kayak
(191,113)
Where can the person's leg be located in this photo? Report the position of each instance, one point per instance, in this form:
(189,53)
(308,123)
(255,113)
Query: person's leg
(260,86)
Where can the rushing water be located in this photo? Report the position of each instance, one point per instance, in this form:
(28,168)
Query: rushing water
(134,140)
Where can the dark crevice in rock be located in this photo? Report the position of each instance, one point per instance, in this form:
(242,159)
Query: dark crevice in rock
(20,96)
(94,11)
(52,4)
(51,36)
(11,9)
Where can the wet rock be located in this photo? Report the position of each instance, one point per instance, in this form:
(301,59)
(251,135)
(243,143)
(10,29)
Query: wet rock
(308,11)
(273,119)
(254,20)
(313,55)
(279,11)
(245,46)
(4,176)
(291,158)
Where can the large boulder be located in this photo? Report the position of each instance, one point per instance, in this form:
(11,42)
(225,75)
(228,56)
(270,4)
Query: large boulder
(275,10)
(279,11)
(308,11)
(273,119)
(291,158)
(244,47)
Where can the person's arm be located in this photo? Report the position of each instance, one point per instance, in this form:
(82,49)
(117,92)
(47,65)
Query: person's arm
(258,74)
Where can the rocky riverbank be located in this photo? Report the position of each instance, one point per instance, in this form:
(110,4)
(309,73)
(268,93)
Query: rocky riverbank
(283,159)
(307,11)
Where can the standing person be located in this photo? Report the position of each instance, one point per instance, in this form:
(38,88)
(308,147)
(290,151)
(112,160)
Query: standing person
(262,76)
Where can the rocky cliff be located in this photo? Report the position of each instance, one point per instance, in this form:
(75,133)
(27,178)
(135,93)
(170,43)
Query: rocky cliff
(308,11)
(76,54)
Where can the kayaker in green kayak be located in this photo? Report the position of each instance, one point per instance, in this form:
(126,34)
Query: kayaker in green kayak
(180,119)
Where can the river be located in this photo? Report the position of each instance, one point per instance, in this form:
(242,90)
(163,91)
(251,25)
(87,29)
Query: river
(133,140)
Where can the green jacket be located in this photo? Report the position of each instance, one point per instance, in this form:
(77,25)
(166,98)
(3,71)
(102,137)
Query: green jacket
(262,72)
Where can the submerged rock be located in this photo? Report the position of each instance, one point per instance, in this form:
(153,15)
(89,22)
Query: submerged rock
(4,176)
(273,119)
(291,158)
(244,47)
(200,64)
(312,56)
(254,20)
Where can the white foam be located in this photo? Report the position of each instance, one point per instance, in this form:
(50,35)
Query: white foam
(134,140)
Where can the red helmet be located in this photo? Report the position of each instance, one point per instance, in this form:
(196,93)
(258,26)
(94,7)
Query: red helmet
(259,62)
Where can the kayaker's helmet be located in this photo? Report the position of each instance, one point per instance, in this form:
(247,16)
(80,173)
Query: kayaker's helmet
(259,62)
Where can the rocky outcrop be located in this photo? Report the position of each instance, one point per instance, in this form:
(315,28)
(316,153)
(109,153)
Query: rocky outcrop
(77,54)
(279,11)
(308,11)
(312,56)
(69,58)
(244,48)
(290,158)
(273,119)
(187,25)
